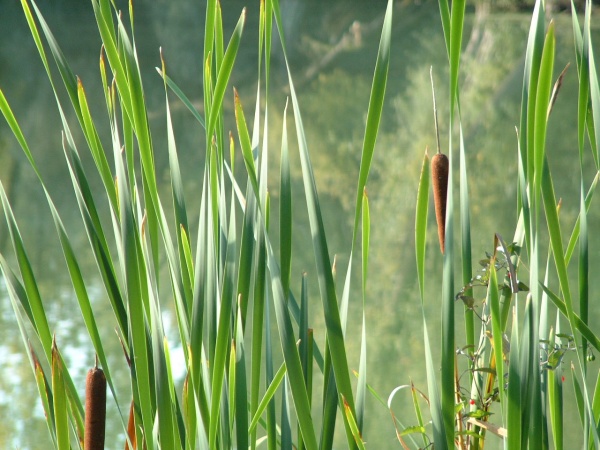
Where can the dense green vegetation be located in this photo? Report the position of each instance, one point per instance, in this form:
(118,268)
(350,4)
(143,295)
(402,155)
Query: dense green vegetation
(259,367)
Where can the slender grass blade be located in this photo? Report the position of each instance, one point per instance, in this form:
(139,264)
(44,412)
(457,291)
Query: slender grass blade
(361,389)
(285,209)
(374,112)
(224,74)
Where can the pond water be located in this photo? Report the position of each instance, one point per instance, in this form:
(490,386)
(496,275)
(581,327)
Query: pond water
(333,85)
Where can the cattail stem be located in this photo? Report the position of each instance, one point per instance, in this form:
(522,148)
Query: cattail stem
(435,118)
(95,409)
(439,172)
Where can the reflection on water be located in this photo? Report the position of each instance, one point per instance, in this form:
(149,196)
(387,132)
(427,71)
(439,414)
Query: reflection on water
(334,98)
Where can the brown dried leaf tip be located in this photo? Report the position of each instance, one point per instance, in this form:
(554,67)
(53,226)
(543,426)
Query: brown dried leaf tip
(95,409)
(439,172)
(131,430)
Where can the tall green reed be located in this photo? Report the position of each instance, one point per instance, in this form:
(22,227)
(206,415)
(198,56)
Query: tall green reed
(224,290)
(521,374)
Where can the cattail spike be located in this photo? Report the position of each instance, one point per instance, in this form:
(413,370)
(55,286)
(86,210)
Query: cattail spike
(95,409)
(439,172)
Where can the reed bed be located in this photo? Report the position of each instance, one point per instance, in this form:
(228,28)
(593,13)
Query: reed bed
(228,280)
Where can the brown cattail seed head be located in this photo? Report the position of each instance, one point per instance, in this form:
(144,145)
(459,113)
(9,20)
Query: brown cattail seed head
(439,172)
(95,409)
